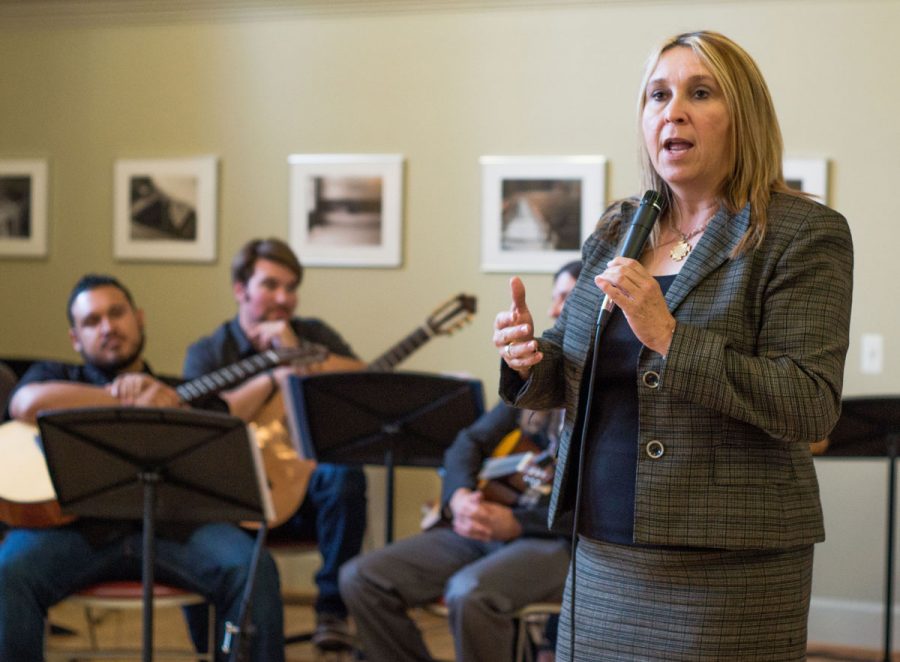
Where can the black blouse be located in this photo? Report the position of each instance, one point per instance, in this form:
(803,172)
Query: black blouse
(607,500)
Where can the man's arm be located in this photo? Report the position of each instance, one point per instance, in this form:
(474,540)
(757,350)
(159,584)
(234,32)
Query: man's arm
(246,400)
(249,398)
(37,396)
(472,446)
(471,515)
(131,389)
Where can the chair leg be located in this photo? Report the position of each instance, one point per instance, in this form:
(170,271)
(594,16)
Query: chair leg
(211,631)
(92,623)
(520,640)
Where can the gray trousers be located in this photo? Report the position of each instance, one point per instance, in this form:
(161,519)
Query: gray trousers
(483,585)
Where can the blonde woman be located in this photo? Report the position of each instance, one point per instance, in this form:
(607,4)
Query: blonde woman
(698,505)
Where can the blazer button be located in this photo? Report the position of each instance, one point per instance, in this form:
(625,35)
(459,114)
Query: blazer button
(651,379)
(655,449)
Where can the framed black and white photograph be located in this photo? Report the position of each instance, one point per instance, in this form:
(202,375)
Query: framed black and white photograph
(808,175)
(23,207)
(536,211)
(346,209)
(165,209)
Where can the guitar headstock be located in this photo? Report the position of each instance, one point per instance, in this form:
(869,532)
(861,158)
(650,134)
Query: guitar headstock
(307,353)
(452,314)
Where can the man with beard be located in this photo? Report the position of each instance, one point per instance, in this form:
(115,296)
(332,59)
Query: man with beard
(265,277)
(40,567)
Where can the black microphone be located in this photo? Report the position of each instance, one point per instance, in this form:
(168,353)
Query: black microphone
(641,223)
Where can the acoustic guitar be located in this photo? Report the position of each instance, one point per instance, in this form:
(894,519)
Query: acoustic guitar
(287,471)
(518,473)
(27,496)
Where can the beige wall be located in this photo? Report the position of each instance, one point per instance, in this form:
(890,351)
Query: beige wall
(441,88)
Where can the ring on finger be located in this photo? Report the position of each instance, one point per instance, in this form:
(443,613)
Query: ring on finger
(508,353)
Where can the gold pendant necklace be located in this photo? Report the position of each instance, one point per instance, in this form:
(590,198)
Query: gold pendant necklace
(680,250)
(682,247)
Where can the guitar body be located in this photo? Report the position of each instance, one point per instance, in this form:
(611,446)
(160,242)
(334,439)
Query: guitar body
(506,474)
(27,497)
(41,515)
(288,474)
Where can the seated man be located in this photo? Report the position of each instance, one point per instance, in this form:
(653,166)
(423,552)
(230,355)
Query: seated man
(40,567)
(490,561)
(265,276)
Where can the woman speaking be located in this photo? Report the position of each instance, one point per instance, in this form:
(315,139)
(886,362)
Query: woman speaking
(685,458)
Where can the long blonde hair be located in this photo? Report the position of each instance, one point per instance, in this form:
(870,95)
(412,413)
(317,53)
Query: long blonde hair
(756,147)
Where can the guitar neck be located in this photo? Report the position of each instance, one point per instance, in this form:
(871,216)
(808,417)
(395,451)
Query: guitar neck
(401,350)
(235,373)
(501,467)
(232,374)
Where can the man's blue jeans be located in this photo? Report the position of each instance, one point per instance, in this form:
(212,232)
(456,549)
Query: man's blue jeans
(40,567)
(334,515)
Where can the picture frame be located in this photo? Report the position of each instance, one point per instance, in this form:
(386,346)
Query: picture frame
(537,211)
(165,209)
(23,208)
(808,175)
(346,209)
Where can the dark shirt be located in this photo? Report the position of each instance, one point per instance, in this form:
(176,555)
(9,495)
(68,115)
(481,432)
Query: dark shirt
(54,371)
(473,445)
(229,344)
(607,505)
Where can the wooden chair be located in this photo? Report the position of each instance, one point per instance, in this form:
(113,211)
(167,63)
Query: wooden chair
(530,621)
(128,595)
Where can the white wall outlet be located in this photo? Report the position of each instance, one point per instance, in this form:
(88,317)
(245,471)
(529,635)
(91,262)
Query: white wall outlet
(871,357)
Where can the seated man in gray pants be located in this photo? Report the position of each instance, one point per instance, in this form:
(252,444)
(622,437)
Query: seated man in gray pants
(487,560)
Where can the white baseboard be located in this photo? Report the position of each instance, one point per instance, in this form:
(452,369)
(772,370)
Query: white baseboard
(848,622)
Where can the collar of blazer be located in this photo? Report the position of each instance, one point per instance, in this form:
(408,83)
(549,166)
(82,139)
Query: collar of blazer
(714,248)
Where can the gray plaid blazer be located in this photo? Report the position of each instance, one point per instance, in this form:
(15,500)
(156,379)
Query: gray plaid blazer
(754,374)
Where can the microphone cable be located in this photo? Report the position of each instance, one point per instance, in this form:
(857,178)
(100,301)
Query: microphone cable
(641,224)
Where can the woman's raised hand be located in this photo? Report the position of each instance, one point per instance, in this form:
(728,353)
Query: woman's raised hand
(514,332)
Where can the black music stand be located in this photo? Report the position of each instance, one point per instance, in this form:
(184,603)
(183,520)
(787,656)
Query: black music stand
(870,427)
(390,419)
(155,464)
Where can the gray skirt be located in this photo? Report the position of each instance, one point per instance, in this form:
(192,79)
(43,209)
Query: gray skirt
(634,603)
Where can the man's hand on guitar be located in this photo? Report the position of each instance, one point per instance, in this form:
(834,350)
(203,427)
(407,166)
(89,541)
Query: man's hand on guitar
(514,332)
(332,363)
(272,335)
(141,390)
(475,518)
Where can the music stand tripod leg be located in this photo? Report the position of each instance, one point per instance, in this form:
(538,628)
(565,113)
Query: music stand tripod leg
(389,496)
(889,554)
(149,480)
(237,637)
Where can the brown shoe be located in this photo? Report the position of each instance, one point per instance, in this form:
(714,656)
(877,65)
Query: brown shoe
(332,633)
